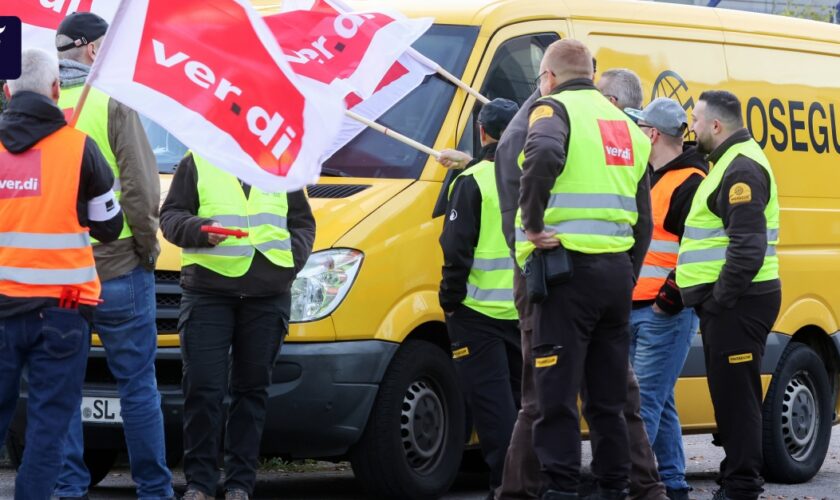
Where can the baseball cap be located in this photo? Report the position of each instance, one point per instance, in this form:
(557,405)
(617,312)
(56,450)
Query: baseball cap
(496,114)
(664,114)
(83,28)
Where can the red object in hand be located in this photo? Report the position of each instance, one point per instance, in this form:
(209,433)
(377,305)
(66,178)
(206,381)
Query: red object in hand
(221,230)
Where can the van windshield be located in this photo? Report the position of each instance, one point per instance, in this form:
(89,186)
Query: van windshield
(418,115)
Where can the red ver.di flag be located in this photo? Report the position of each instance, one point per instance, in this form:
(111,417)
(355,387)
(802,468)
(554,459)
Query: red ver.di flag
(327,42)
(213,75)
(40,18)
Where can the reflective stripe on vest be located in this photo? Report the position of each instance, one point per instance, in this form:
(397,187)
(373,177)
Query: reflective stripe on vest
(592,206)
(94,122)
(262,215)
(704,243)
(490,282)
(661,257)
(43,248)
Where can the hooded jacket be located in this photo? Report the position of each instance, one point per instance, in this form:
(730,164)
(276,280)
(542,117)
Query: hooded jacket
(29,118)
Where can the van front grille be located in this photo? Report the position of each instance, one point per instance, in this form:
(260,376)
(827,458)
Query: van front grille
(168,299)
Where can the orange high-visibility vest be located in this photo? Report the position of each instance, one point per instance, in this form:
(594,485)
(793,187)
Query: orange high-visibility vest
(43,248)
(661,257)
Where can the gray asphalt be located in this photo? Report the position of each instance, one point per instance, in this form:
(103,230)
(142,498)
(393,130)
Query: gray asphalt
(335,482)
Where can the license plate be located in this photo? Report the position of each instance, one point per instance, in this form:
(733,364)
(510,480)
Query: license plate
(101,410)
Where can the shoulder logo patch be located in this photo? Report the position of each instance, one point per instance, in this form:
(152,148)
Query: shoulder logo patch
(540,112)
(740,193)
(453,214)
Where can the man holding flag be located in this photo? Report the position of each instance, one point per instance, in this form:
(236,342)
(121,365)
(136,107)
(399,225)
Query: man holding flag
(126,321)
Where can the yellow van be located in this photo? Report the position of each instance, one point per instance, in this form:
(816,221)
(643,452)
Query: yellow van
(365,374)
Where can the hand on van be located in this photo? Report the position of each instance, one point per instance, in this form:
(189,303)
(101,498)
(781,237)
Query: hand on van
(452,158)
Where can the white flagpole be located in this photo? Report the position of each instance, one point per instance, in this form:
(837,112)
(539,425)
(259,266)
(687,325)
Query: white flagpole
(395,135)
(447,75)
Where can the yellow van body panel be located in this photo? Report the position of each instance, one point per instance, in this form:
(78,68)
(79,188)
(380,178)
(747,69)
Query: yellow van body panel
(678,51)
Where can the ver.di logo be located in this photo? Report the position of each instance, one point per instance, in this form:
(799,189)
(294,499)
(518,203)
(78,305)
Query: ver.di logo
(10,43)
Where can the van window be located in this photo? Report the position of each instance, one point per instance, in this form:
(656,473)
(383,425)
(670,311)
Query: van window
(419,116)
(512,72)
(515,66)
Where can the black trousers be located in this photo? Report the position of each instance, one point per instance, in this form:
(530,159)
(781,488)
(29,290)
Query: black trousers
(214,329)
(733,344)
(488,361)
(581,334)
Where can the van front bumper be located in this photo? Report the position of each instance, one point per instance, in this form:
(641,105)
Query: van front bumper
(319,399)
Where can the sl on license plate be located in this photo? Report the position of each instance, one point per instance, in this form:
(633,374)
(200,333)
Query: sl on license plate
(101,410)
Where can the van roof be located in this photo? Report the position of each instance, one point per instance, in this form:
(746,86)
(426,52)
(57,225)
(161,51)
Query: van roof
(491,15)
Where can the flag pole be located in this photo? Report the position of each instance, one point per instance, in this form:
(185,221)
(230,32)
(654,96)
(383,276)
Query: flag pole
(79,105)
(447,75)
(390,133)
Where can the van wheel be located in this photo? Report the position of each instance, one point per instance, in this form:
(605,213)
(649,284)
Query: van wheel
(14,448)
(414,439)
(99,463)
(797,417)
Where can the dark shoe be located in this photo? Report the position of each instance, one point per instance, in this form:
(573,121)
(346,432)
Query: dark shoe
(196,494)
(236,494)
(559,495)
(677,494)
(491,495)
(720,494)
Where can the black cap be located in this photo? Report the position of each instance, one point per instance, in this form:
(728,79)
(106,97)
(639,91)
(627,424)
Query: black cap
(83,28)
(496,114)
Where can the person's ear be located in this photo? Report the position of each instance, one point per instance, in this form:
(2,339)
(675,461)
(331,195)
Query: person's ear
(56,90)
(92,52)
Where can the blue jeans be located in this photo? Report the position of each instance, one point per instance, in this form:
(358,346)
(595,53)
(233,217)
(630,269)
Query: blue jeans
(125,322)
(658,348)
(54,344)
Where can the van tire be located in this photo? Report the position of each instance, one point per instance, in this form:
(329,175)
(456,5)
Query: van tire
(796,417)
(14,448)
(390,460)
(98,462)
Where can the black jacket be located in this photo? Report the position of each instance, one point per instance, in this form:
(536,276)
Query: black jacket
(181,226)
(545,158)
(508,172)
(746,227)
(29,118)
(459,237)
(669,298)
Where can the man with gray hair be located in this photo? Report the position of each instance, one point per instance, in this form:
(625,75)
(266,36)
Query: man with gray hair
(126,321)
(55,195)
(622,87)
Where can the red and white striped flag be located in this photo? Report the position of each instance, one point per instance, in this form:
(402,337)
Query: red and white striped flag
(214,76)
(40,18)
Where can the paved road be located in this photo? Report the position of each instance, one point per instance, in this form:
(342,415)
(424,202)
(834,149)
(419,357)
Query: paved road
(337,483)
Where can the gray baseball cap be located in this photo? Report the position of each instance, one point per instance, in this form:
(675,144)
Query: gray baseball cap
(664,114)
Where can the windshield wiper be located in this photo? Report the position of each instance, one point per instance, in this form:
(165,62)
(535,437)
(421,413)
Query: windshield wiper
(333,172)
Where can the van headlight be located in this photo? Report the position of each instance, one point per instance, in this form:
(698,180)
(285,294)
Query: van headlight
(323,282)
